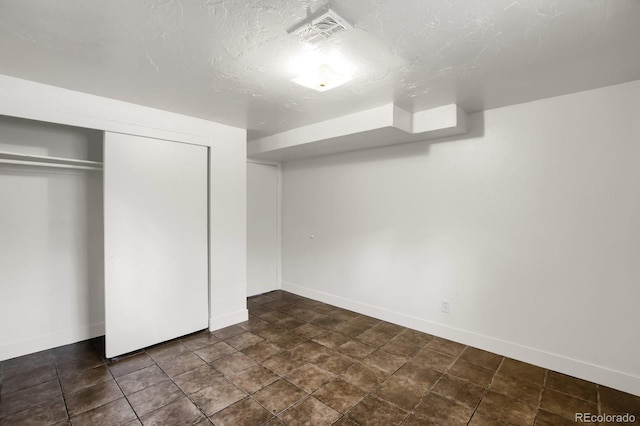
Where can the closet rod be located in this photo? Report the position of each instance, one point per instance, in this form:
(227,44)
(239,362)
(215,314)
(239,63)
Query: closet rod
(43,164)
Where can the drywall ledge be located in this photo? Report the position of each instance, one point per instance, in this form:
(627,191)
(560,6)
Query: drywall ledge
(381,126)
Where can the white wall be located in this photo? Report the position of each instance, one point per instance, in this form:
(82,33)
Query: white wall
(528,226)
(51,244)
(227,174)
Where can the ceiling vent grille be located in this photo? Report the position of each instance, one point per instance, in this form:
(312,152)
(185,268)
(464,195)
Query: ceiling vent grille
(327,26)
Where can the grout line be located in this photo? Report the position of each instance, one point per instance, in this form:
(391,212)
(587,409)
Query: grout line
(544,386)
(55,363)
(486,390)
(124,395)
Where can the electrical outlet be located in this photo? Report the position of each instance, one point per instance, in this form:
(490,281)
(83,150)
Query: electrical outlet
(444,306)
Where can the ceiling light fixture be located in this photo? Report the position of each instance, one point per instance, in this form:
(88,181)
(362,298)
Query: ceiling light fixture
(321,69)
(322,78)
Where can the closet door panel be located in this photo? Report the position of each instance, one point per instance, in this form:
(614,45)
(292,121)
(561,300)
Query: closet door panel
(156,244)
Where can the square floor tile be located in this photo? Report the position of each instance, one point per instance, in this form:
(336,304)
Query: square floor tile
(445,346)
(228,332)
(334,362)
(385,361)
(331,339)
(194,380)
(309,411)
(278,396)
(154,397)
(414,337)
(420,374)
(439,410)
(284,362)
(340,395)
(81,380)
(480,419)
(473,373)
(140,379)
(309,331)
(401,348)
(47,413)
(27,363)
(178,413)
(482,358)
(92,397)
(373,411)
(214,352)
(365,377)
(309,377)
(506,409)
(391,330)
(373,338)
(219,395)
(132,363)
(25,378)
(355,349)
(565,405)
(572,386)
(262,351)
(462,391)
(401,392)
(288,340)
(233,364)
(619,402)
(181,364)
(254,379)
(518,389)
(167,351)
(199,340)
(545,418)
(522,371)
(243,340)
(436,360)
(309,350)
(25,398)
(116,412)
(245,412)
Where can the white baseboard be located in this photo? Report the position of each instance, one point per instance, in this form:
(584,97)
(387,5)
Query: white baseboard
(222,321)
(556,362)
(49,341)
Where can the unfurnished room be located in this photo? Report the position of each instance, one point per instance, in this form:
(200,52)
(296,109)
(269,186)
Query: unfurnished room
(301,212)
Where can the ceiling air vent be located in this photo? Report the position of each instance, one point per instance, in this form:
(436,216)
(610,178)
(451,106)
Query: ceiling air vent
(325,27)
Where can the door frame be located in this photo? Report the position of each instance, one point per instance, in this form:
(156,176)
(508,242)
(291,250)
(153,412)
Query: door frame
(278,166)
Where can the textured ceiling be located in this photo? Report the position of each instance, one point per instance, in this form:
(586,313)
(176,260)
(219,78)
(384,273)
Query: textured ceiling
(231,61)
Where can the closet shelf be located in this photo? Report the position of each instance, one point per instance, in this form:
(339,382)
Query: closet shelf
(46,161)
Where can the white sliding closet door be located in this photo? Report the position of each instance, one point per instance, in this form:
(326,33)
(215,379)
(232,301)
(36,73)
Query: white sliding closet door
(156,245)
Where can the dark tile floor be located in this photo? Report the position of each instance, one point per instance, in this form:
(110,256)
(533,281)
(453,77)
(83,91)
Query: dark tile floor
(296,362)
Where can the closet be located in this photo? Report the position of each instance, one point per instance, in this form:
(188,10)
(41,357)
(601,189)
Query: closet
(99,226)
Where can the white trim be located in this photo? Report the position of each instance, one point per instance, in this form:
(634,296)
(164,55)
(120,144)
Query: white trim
(598,374)
(279,176)
(265,162)
(279,230)
(51,340)
(232,318)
